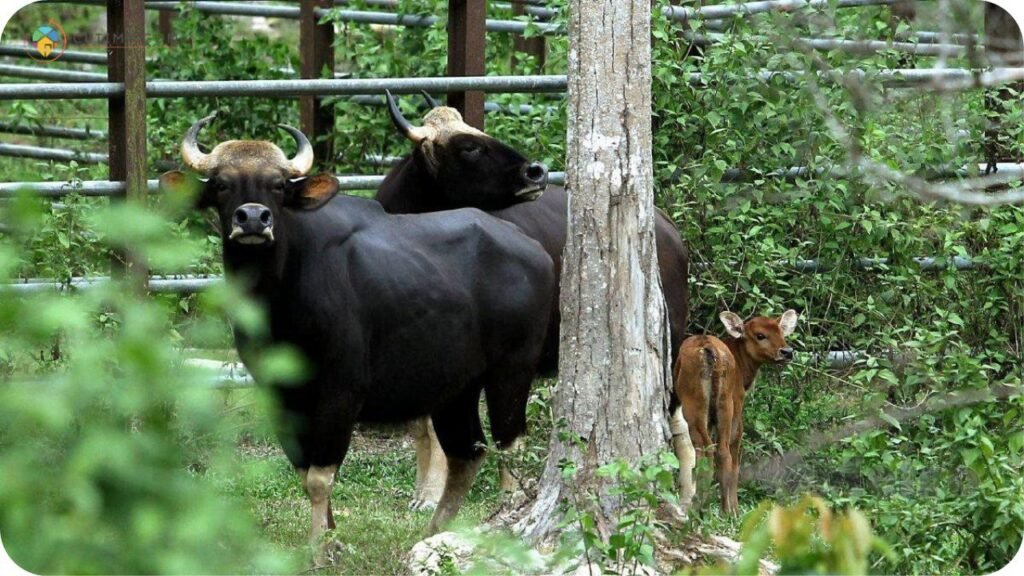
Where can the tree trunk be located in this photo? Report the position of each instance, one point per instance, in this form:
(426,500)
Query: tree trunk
(614,373)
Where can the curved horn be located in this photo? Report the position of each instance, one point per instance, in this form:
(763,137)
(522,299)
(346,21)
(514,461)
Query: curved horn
(413,133)
(430,99)
(190,153)
(299,164)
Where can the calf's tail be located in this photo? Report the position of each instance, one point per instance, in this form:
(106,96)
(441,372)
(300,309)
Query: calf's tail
(708,374)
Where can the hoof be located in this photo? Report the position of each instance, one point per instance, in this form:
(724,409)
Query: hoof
(328,553)
(421,505)
(509,484)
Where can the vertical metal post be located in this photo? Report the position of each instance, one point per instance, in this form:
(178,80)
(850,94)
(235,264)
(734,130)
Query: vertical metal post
(535,46)
(1004,48)
(316,55)
(166,23)
(466,44)
(126,57)
(899,12)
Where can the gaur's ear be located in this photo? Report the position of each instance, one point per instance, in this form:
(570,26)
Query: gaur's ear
(184,188)
(733,324)
(310,193)
(788,322)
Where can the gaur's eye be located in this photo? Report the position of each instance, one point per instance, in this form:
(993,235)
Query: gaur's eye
(760,336)
(470,149)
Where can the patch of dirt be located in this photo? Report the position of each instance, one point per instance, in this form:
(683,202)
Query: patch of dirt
(373,440)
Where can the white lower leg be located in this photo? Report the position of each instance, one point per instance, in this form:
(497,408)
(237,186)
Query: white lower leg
(418,434)
(317,481)
(506,479)
(431,467)
(683,447)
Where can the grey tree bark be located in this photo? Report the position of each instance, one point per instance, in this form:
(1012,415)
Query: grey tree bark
(614,373)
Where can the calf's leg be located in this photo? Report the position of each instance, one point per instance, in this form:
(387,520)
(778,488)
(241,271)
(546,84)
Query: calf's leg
(726,470)
(431,466)
(734,448)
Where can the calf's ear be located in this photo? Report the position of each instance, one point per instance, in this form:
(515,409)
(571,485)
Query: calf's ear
(733,324)
(185,189)
(788,322)
(310,193)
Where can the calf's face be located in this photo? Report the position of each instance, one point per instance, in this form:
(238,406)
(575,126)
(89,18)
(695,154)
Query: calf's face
(470,168)
(249,183)
(763,339)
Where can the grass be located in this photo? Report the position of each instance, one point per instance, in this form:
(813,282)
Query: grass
(370,499)
(375,484)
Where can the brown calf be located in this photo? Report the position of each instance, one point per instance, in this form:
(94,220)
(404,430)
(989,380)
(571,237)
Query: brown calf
(712,378)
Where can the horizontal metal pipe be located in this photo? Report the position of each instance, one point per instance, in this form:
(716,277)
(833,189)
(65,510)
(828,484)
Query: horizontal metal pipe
(40,153)
(938,37)
(61,189)
(231,9)
(65,155)
(51,74)
(156,284)
(355,86)
(732,175)
(746,175)
(223,374)
(108,188)
(844,45)
(949,79)
(81,91)
(354,16)
(186,284)
(53,131)
(25,51)
(534,11)
(379,160)
(352,86)
(722,11)
(926,263)
(836,359)
(959,78)
(233,375)
(491,107)
(319,87)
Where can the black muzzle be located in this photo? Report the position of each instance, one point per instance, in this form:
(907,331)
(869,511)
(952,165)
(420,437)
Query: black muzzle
(535,175)
(252,224)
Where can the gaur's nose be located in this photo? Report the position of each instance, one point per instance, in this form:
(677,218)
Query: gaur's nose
(250,214)
(787,353)
(536,173)
(252,218)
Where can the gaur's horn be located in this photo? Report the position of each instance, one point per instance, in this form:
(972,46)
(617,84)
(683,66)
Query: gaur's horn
(430,99)
(415,133)
(299,164)
(190,153)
